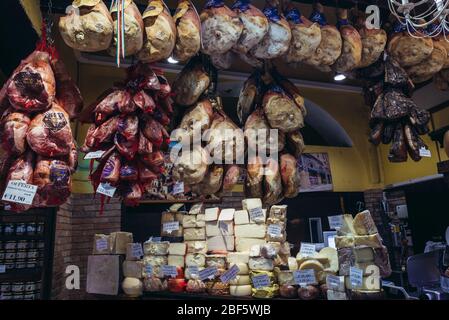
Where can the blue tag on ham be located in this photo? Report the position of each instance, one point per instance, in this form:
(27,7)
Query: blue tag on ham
(399,27)
(272,14)
(276,88)
(241,5)
(214,4)
(342,22)
(318,17)
(293,15)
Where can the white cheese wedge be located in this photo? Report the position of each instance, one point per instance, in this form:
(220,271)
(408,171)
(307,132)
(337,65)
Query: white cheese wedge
(255,211)
(244,244)
(211,214)
(240,291)
(240,280)
(156,248)
(195,260)
(251,230)
(255,250)
(218,228)
(220,244)
(196,246)
(286,277)
(177,261)
(261,264)
(133,269)
(194,234)
(373,241)
(331,255)
(364,223)
(226,215)
(238,257)
(241,217)
(197,208)
(292,264)
(178,249)
(243,268)
(348,225)
(193,221)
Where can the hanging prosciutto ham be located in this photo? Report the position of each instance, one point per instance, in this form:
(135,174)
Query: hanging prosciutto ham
(188,31)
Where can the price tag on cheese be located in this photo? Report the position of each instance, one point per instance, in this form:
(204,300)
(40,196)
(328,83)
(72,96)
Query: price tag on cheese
(274,230)
(155,239)
(19,192)
(307,249)
(137,250)
(231,274)
(2,268)
(331,241)
(304,277)
(194,271)
(335,222)
(149,269)
(260,281)
(334,282)
(169,227)
(444,284)
(101,244)
(208,273)
(256,214)
(356,277)
(94,155)
(106,189)
(178,187)
(423,152)
(169,271)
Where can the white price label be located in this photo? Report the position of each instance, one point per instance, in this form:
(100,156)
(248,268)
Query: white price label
(256,214)
(304,277)
(260,281)
(2,268)
(101,244)
(169,271)
(333,282)
(106,189)
(231,274)
(94,155)
(307,249)
(137,250)
(208,273)
(19,192)
(423,152)
(149,269)
(169,227)
(356,277)
(335,222)
(178,187)
(274,230)
(331,241)
(194,271)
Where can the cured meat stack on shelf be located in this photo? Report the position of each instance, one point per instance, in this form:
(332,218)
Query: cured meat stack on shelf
(37,102)
(128,134)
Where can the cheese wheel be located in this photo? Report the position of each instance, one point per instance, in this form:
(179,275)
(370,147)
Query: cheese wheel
(240,280)
(240,291)
(132,287)
(243,267)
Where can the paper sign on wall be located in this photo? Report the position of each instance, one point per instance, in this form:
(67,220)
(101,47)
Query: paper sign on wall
(19,192)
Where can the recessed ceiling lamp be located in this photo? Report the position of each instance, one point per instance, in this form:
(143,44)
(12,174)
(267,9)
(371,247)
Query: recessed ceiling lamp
(172,60)
(339,77)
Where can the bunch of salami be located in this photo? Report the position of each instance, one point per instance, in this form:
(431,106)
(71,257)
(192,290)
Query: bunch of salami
(37,102)
(128,133)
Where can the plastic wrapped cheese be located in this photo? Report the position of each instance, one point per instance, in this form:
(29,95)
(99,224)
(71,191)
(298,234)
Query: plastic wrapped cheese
(102,244)
(217,288)
(279,212)
(196,286)
(364,223)
(265,292)
(261,264)
(196,246)
(120,240)
(133,269)
(154,284)
(155,248)
(216,260)
(132,287)
(195,260)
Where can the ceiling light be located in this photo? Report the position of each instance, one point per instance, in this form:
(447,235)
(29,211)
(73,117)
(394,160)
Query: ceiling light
(339,77)
(172,60)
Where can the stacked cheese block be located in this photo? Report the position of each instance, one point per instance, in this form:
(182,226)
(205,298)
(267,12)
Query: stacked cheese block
(215,286)
(220,230)
(155,256)
(171,225)
(360,245)
(103,267)
(133,270)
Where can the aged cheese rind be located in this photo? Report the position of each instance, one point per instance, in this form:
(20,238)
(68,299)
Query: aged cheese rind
(196,246)
(177,248)
(177,261)
(241,217)
(261,264)
(219,244)
(364,223)
(251,230)
(363,254)
(245,244)
(103,273)
(344,242)
(238,257)
(373,241)
(195,259)
(194,234)
(121,239)
(133,269)
(156,248)
(240,290)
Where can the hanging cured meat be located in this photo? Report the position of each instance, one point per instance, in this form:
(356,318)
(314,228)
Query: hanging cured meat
(220,28)
(306,36)
(222,61)
(195,120)
(254,178)
(134,29)
(188,31)
(351,54)
(272,183)
(277,40)
(250,92)
(90,30)
(160,32)
(255,25)
(330,46)
(32,86)
(433,64)
(13,130)
(191,83)
(191,166)
(231,177)
(290,176)
(129,127)
(295,143)
(259,137)
(211,183)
